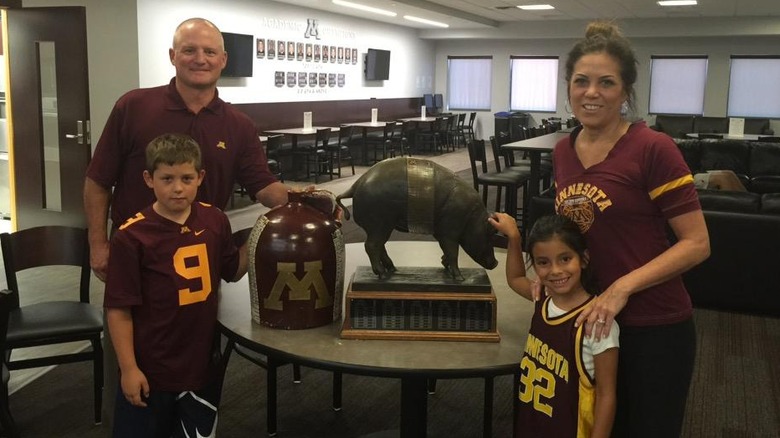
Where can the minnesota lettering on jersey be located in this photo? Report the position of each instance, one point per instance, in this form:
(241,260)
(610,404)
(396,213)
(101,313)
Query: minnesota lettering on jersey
(548,357)
(577,202)
(587,190)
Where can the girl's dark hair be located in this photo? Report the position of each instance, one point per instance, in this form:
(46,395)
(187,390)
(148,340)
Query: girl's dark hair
(604,37)
(549,227)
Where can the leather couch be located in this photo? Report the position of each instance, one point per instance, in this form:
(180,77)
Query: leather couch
(743,272)
(757,164)
(678,126)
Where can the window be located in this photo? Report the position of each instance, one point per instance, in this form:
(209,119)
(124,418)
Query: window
(469,80)
(677,84)
(533,83)
(754,90)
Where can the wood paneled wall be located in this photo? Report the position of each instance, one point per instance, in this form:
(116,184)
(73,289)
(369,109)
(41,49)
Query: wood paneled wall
(281,115)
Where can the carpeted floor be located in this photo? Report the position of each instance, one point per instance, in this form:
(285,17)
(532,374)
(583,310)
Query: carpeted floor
(735,393)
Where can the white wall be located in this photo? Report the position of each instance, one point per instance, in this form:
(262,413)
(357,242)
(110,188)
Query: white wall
(411,69)
(718,49)
(128,43)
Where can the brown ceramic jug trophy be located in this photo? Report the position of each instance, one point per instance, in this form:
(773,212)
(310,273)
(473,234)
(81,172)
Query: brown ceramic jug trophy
(296,263)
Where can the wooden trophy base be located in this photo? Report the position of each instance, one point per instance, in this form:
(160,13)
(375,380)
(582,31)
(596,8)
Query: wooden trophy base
(421,303)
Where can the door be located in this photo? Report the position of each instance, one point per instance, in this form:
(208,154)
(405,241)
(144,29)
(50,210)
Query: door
(48,114)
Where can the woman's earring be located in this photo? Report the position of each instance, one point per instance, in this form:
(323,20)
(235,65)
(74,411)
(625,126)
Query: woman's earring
(567,107)
(624,108)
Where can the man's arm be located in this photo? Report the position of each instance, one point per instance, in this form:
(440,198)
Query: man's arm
(96,200)
(273,194)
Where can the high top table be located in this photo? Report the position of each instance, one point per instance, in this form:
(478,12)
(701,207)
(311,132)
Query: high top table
(535,147)
(364,127)
(294,133)
(414,362)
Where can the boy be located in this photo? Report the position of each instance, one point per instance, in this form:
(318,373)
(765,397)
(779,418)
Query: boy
(161,299)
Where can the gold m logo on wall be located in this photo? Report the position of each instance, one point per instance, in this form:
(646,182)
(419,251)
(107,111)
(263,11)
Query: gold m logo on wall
(312,29)
(298,290)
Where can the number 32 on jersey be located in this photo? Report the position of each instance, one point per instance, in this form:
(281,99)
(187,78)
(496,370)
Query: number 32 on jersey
(537,386)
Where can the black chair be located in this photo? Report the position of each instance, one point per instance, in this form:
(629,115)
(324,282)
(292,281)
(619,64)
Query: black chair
(511,164)
(509,179)
(316,156)
(430,139)
(399,143)
(340,151)
(275,153)
(55,321)
(468,129)
(457,130)
(7,423)
(381,142)
(447,131)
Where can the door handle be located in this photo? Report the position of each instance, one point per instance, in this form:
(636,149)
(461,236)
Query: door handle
(81,135)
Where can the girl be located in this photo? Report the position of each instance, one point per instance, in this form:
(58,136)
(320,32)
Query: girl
(567,379)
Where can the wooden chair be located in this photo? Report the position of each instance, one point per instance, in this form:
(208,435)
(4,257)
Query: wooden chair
(57,320)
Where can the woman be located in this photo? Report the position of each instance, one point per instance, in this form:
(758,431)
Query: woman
(624,183)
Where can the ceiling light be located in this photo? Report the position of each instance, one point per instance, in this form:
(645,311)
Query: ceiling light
(677,3)
(536,7)
(424,21)
(364,8)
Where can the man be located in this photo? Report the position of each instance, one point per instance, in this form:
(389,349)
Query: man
(190,105)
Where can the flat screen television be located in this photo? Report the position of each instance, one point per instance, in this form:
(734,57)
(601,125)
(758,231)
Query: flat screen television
(240,49)
(377,65)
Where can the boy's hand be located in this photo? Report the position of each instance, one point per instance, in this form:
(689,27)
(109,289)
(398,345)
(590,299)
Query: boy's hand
(135,387)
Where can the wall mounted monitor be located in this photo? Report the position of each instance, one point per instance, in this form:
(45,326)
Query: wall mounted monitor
(240,49)
(377,65)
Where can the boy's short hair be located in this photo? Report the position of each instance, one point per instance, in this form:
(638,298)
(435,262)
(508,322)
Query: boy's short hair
(172,149)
